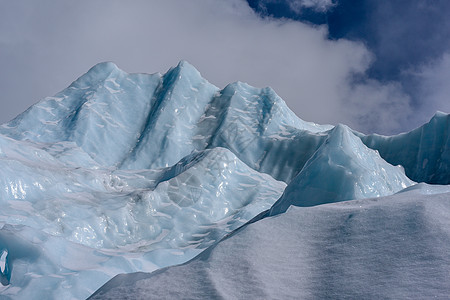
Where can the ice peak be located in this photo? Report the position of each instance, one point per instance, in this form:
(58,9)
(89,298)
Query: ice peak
(107,66)
(97,75)
(343,168)
(423,152)
(440,114)
(102,71)
(184,69)
(341,135)
(184,64)
(441,118)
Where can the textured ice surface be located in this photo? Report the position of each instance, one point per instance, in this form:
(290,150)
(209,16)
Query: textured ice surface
(123,172)
(141,121)
(423,152)
(393,247)
(343,168)
(68,230)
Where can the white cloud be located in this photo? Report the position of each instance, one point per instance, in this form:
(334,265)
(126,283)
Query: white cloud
(54,42)
(298,5)
(433,86)
(373,106)
(317,5)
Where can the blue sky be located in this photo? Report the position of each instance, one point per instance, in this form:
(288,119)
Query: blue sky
(378,66)
(401,34)
(410,39)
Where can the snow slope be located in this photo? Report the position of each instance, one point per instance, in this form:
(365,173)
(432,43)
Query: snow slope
(392,247)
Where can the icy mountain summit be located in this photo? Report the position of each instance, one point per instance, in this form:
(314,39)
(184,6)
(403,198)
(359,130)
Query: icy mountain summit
(140,121)
(121,173)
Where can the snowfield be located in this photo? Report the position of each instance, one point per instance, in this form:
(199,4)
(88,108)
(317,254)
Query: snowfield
(392,247)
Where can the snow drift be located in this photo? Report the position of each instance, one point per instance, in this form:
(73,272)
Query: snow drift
(379,248)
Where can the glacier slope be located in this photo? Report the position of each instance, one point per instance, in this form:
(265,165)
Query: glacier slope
(343,168)
(126,172)
(423,152)
(142,121)
(392,247)
(66,231)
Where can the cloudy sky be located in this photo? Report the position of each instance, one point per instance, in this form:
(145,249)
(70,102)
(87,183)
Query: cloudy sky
(378,66)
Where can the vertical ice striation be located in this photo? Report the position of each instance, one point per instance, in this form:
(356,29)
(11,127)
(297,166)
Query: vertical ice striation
(423,152)
(140,121)
(167,134)
(128,172)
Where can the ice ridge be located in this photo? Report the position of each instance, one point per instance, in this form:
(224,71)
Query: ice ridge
(343,168)
(153,121)
(125,172)
(423,152)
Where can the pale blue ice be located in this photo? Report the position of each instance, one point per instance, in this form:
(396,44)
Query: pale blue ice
(121,173)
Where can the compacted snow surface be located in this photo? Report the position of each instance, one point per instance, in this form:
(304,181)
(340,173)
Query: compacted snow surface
(393,247)
(123,173)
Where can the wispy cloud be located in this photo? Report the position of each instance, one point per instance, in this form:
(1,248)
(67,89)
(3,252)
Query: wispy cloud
(433,85)
(297,6)
(372,106)
(46,45)
(318,5)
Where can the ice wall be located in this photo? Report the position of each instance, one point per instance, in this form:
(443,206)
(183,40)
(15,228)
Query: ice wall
(424,152)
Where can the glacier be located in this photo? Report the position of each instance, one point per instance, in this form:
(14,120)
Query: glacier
(125,173)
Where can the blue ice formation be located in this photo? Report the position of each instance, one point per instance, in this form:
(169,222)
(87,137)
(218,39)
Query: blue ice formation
(141,121)
(122,173)
(343,168)
(423,152)
(70,226)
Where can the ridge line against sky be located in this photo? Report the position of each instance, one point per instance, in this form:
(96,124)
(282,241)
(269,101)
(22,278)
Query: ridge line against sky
(366,65)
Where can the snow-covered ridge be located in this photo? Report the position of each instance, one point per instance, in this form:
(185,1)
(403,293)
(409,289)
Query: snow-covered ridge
(135,172)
